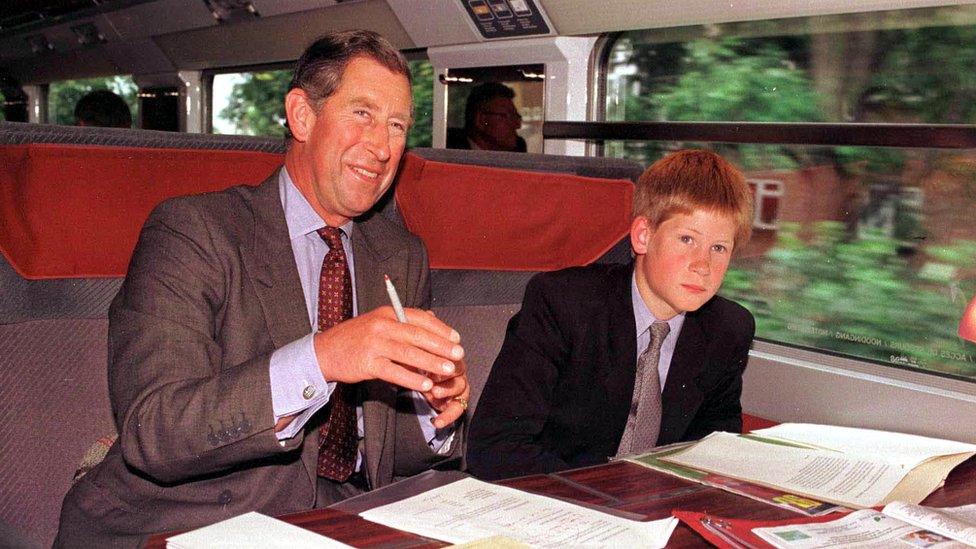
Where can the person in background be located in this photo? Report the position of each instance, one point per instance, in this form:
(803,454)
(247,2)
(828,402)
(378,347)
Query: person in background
(580,375)
(491,121)
(102,108)
(255,363)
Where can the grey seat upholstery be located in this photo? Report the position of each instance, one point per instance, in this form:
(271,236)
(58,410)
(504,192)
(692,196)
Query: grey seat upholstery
(53,332)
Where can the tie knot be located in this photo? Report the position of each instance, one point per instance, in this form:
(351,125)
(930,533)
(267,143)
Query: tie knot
(332,236)
(659,331)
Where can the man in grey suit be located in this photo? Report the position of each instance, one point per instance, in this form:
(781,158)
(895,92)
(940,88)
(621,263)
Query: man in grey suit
(219,384)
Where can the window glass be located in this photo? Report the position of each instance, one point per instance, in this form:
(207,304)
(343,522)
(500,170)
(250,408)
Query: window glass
(512,115)
(250,103)
(863,251)
(63,95)
(421,133)
(3,101)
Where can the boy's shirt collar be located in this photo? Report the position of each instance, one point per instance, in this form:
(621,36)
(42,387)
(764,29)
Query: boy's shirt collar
(643,317)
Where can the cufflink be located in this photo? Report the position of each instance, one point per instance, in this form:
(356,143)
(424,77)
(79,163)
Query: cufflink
(308,392)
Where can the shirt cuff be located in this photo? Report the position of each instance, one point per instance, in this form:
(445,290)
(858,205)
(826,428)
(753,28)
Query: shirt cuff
(298,387)
(439,440)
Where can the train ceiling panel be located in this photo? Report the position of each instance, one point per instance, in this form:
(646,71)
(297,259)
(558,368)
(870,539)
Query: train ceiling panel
(576,17)
(53,39)
(229,45)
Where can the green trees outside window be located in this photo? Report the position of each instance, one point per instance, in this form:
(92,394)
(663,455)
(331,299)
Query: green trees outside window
(863,251)
(63,95)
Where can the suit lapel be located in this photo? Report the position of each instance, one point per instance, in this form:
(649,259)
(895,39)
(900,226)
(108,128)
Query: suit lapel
(269,263)
(682,395)
(374,259)
(618,379)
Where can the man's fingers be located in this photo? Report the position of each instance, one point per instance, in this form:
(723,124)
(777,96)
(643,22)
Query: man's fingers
(448,388)
(419,359)
(419,348)
(428,321)
(404,377)
(449,414)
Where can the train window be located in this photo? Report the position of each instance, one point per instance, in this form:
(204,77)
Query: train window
(63,95)
(252,103)
(421,133)
(521,114)
(867,252)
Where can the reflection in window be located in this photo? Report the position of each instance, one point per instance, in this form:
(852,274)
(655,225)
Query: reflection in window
(62,96)
(522,113)
(865,251)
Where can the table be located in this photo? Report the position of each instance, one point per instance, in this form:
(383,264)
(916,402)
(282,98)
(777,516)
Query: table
(622,486)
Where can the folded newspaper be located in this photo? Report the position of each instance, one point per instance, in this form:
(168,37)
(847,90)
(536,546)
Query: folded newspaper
(857,468)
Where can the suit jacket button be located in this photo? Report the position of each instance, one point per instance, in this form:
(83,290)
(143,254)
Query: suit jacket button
(225,497)
(309,392)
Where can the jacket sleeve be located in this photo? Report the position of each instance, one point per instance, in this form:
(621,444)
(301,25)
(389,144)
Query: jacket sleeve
(182,407)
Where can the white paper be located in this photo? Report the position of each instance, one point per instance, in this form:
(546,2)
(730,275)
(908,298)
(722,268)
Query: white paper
(866,529)
(251,531)
(469,509)
(954,522)
(907,450)
(828,476)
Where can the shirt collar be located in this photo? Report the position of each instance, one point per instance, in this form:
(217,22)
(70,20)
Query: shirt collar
(643,317)
(299,214)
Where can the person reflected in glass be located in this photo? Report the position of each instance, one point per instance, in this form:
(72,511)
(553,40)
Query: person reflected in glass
(103,108)
(491,121)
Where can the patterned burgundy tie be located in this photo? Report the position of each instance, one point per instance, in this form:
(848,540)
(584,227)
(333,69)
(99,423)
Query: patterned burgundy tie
(337,438)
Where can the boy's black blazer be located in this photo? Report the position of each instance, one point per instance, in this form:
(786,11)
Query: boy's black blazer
(559,392)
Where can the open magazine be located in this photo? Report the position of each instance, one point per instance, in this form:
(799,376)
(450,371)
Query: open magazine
(856,468)
(897,524)
(779,498)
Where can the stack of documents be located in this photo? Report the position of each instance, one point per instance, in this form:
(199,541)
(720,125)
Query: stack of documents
(468,510)
(856,468)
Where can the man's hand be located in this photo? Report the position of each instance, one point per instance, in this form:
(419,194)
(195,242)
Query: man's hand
(449,396)
(375,346)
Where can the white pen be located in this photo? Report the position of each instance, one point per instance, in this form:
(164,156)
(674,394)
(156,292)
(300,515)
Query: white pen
(395,300)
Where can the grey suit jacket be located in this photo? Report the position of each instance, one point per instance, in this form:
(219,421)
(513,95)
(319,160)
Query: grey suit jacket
(212,290)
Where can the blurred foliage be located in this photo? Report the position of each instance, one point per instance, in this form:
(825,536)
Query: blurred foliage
(921,75)
(723,80)
(257,105)
(859,297)
(2,113)
(421,133)
(64,95)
